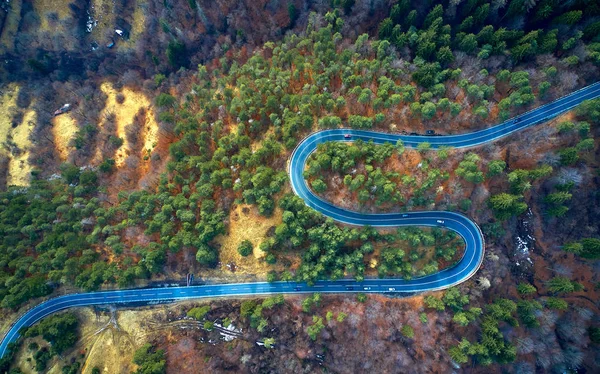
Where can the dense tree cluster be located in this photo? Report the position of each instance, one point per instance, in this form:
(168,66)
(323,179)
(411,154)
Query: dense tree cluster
(509,204)
(469,169)
(253,311)
(438,34)
(586,248)
(492,346)
(504,319)
(198,312)
(363,168)
(43,237)
(383,187)
(457,303)
(150,360)
(412,242)
(61,332)
(332,252)
(433,40)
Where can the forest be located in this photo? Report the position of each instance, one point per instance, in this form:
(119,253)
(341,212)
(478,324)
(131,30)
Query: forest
(171,135)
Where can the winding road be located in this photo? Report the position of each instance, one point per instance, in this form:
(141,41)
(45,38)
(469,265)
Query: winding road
(462,225)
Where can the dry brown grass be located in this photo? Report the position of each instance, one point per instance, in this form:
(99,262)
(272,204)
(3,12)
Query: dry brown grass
(256,145)
(60,7)
(124,116)
(43,8)
(138,23)
(58,35)
(150,132)
(25,360)
(112,350)
(19,169)
(64,129)
(247,224)
(7,102)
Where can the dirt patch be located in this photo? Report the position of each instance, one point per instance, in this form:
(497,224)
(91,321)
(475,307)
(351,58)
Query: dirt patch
(111,349)
(245,223)
(105,343)
(64,129)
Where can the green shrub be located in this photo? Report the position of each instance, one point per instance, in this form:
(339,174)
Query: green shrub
(245,248)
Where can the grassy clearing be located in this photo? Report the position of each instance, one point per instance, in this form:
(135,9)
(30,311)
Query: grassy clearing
(25,360)
(18,137)
(245,223)
(8,98)
(64,129)
(150,130)
(45,7)
(124,116)
(52,16)
(19,171)
(138,23)
(104,13)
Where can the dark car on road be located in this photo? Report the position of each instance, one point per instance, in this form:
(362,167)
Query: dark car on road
(430,132)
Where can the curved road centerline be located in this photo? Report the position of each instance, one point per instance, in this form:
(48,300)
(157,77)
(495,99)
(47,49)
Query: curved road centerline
(466,228)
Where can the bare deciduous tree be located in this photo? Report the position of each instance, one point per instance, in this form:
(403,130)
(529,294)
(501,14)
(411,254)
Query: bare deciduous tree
(524,367)
(483,283)
(566,175)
